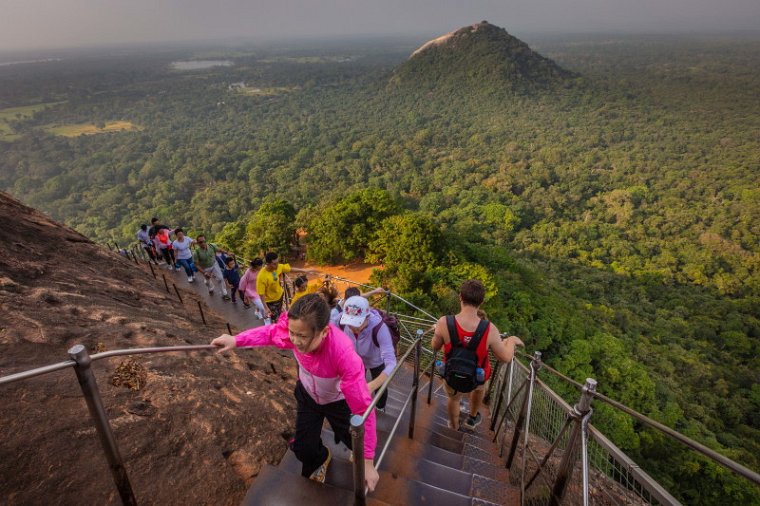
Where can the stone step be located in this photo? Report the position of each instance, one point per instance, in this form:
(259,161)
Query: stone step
(278,487)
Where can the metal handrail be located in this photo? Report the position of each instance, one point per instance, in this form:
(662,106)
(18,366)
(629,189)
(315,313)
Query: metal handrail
(11,378)
(724,461)
(386,383)
(433,319)
(81,361)
(652,486)
(358,421)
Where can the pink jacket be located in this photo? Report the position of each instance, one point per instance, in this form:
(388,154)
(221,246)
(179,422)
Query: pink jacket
(330,373)
(247,284)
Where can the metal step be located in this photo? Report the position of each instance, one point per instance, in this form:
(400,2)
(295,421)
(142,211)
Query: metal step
(278,487)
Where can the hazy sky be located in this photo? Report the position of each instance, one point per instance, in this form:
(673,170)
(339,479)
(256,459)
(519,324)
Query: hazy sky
(54,23)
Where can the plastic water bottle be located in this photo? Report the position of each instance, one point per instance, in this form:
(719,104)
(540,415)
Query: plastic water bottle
(440,367)
(480,375)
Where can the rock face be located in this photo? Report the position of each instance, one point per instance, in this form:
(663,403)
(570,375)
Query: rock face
(192,428)
(479,58)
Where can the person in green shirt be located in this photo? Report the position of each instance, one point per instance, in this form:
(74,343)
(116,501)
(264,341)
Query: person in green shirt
(268,283)
(204,258)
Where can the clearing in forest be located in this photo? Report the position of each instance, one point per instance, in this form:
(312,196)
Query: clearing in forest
(16,113)
(76,130)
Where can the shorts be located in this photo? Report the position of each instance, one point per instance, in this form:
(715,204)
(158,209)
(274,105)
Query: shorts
(453,393)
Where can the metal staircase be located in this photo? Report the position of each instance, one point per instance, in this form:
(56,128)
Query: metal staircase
(437,465)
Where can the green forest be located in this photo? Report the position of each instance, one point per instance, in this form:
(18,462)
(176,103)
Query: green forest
(612,210)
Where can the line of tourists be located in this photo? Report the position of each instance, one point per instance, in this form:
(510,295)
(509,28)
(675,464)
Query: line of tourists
(259,286)
(345,350)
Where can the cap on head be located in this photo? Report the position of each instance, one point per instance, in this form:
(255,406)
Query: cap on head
(355,311)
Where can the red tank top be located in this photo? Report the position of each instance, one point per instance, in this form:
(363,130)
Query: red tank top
(481,352)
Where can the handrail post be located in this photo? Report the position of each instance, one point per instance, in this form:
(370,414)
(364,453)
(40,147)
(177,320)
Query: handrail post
(432,377)
(98,414)
(357,447)
(581,414)
(416,382)
(521,423)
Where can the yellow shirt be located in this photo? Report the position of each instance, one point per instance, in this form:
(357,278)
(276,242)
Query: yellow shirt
(309,289)
(268,283)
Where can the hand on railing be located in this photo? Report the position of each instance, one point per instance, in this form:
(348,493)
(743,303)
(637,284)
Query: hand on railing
(371,476)
(515,339)
(225,342)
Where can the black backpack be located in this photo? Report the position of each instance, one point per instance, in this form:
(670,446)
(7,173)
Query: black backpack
(462,361)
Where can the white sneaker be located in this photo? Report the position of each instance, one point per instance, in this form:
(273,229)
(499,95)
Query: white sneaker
(190,279)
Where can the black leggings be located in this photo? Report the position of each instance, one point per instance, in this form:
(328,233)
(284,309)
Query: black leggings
(307,444)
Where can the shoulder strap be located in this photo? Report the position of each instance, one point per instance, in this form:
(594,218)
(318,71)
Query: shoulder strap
(453,334)
(375,330)
(479,333)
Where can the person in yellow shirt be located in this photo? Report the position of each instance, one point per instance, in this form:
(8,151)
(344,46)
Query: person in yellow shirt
(268,283)
(303,287)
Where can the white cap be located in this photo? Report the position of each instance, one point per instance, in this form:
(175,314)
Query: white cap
(355,311)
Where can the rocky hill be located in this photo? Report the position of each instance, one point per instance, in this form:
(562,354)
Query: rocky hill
(196,429)
(480,58)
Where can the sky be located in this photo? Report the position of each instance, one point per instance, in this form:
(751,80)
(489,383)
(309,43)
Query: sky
(31,24)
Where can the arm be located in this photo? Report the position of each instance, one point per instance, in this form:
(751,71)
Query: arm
(354,388)
(385,341)
(268,335)
(376,291)
(389,357)
(357,396)
(439,332)
(503,349)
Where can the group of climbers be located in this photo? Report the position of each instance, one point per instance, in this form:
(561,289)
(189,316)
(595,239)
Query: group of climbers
(337,342)
(259,286)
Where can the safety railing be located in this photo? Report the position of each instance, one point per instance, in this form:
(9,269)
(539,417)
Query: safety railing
(82,361)
(358,421)
(548,442)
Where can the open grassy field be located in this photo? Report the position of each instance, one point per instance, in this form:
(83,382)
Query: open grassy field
(16,113)
(75,130)
(266,92)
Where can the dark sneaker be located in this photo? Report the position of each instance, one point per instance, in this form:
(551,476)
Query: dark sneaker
(225,297)
(321,472)
(473,421)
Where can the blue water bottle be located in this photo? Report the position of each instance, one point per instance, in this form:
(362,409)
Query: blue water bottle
(480,375)
(440,367)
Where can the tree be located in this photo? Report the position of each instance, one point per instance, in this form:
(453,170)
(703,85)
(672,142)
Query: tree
(270,228)
(342,230)
(409,246)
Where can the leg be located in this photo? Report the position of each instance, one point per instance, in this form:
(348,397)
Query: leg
(452,406)
(307,444)
(216,272)
(476,399)
(187,266)
(275,307)
(166,256)
(375,372)
(338,414)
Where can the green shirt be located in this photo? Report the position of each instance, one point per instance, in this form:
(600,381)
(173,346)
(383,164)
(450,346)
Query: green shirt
(205,258)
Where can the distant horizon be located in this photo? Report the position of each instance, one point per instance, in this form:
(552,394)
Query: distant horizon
(188,43)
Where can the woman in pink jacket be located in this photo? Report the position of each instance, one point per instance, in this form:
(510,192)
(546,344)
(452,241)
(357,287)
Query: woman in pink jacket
(331,382)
